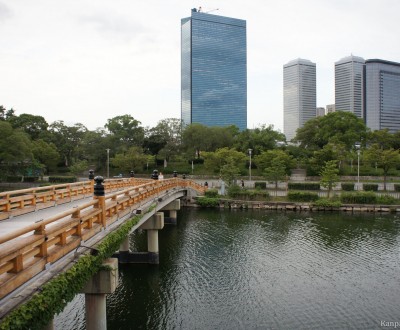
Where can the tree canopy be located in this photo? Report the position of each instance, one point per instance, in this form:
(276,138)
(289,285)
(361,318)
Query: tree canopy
(338,127)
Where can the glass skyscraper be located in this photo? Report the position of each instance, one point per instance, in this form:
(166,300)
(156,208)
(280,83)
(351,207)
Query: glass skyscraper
(299,95)
(349,85)
(213,70)
(382,95)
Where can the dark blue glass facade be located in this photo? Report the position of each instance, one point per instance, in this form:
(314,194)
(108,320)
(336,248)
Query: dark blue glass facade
(213,70)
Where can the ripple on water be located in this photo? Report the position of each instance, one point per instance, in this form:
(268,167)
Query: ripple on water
(263,270)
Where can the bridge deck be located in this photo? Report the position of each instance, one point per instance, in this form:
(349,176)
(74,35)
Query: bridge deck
(20,221)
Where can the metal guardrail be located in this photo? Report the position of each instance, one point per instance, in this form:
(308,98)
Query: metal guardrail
(26,251)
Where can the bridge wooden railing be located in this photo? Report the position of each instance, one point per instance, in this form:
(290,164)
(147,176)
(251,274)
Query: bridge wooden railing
(13,203)
(26,251)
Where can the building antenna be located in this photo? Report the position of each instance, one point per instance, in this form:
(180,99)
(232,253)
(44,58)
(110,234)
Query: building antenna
(211,10)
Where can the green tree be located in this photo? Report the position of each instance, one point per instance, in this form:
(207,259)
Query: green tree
(330,151)
(229,172)
(197,138)
(276,172)
(383,158)
(15,145)
(340,127)
(329,175)
(126,131)
(132,160)
(66,139)
(259,139)
(383,138)
(33,125)
(266,159)
(214,161)
(46,154)
(79,167)
(6,114)
(15,149)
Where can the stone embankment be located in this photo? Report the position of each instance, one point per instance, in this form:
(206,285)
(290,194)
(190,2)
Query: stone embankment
(299,207)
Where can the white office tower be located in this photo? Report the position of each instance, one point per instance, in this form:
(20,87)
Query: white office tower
(382,86)
(299,95)
(349,82)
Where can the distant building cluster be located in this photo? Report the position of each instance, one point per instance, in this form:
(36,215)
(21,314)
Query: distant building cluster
(368,88)
(214,81)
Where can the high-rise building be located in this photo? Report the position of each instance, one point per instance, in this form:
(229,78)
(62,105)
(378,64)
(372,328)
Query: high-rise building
(382,88)
(299,95)
(330,108)
(213,70)
(320,112)
(349,85)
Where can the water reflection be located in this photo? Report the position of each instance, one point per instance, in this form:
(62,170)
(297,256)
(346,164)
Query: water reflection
(262,270)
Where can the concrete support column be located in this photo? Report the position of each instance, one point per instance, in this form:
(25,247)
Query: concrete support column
(105,281)
(153,225)
(95,308)
(152,246)
(173,215)
(172,209)
(124,247)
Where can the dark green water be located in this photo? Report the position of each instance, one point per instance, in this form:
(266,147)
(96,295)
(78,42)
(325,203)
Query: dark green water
(260,270)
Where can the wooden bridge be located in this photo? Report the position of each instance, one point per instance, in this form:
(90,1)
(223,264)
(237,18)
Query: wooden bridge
(42,230)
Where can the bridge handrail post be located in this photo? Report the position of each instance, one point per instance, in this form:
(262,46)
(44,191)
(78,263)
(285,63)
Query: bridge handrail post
(99,195)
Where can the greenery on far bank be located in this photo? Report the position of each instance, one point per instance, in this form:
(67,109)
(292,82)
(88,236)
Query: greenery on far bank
(32,147)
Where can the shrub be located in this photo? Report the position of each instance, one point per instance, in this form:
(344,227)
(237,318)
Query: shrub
(260,185)
(370,187)
(387,200)
(212,193)
(207,202)
(62,179)
(396,187)
(303,186)
(324,202)
(14,178)
(362,197)
(348,186)
(302,196)
(30,178)
(234,190)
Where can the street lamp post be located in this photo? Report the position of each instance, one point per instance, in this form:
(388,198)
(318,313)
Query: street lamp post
(108,163)
(250,150)
(357,145)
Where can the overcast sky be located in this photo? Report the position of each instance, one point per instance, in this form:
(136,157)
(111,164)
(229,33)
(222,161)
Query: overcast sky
(87,61)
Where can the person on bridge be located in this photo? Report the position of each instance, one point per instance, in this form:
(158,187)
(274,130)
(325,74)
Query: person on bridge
(160,176)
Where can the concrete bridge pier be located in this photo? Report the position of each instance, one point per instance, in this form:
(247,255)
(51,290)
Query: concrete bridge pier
(153,225)
(105,281)
(172,209)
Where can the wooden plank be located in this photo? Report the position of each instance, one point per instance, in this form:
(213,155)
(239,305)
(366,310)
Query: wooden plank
(21,198)
(25,210)
(58,251)
(88,233)
(46,205)
(63,200)
(18,279)
(17,246)
(4,215)
(61,227)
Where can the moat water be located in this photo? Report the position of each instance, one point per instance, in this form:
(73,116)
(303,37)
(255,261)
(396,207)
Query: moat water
(222,269)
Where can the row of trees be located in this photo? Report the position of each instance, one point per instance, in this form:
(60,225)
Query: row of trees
(28,144)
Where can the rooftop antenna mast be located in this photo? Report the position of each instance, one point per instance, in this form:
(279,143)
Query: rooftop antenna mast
(211,10)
